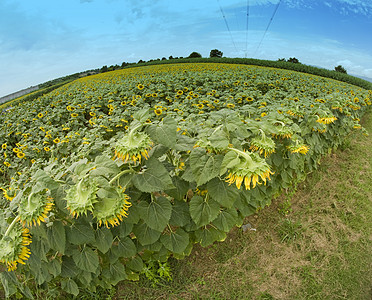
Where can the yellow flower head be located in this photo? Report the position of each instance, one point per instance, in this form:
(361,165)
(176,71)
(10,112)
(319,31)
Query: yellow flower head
(13,249)
(248,170)
(34,208)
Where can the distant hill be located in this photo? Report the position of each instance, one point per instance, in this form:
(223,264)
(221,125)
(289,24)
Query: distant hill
(365,78)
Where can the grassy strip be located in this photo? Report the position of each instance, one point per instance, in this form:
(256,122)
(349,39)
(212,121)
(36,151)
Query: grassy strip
(312,243)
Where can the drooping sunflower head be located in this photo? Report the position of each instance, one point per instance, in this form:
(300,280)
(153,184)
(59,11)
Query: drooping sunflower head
(111,210)
(250,169)
(284,132)
(298,148)
(34,208)
(13,247)
(326,120)
(132,146)
(263,144)
(82,196)
(9,194)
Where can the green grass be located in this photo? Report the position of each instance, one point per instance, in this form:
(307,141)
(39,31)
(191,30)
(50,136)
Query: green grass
(314,243)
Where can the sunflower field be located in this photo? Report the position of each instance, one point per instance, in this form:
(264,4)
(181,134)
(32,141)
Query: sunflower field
(105,178)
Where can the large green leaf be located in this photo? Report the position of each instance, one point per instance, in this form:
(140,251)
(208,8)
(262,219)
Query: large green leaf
(154,178)
(204,166)
(54,267)
(125,248)
(226,219)
(135,264)
(115,273)
(164,132)
(180,190)
(180,214)
(86,259)
(145,234)
(104,239)
(176,241)
(57,237)
(157,213)
(8,280)
(203,211)
(230,160)
(69,268)
(222,192)
(208,235)
(70,287)
(80,234)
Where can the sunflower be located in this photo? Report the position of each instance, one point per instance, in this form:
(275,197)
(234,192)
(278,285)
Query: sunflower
(326,120)
(158,112)
(40,115)
(81,197)
(20,155)
(249,169)
(13,249)
(299,148)
(263,144)
(56,140)
(46,149)
(3,146)
(7,164)
(140,86)
(74,115)
(110,211)
(132,145)
(34,209)
(180,92)
(8,194)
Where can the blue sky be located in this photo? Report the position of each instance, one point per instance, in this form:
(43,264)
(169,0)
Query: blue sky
(41,40)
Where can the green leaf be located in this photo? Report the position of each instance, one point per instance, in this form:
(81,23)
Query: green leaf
(85,278)
(226,219)
(184,143)
(164,132)
(157,213)
(181,189)
(86,260)
(8,280)
(80,234)
(145,234)
(204,166)
(103,239)
(230,160)
(54,267)
(115,273)
(57,237)
(176,241)
(203,211)
(155,178)
(135,264)
(180,214)
(68,268)
(219,139)
(125,248)
(70,287)
(222,192)
(125,229)
(208,235)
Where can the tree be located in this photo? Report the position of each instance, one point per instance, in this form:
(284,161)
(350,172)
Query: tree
(293,60)
(171,57)
(194,55)
(216,53)
(340,69)
(281,59)
(104,69)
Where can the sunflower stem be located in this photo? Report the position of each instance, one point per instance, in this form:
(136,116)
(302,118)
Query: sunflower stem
(117,176)
(11,226)
(243,154)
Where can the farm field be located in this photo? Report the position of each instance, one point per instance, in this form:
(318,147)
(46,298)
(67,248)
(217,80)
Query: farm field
(108,176)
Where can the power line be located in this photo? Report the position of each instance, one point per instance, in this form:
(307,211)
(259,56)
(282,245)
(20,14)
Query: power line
(268,25)
(246,30)
(227,25)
